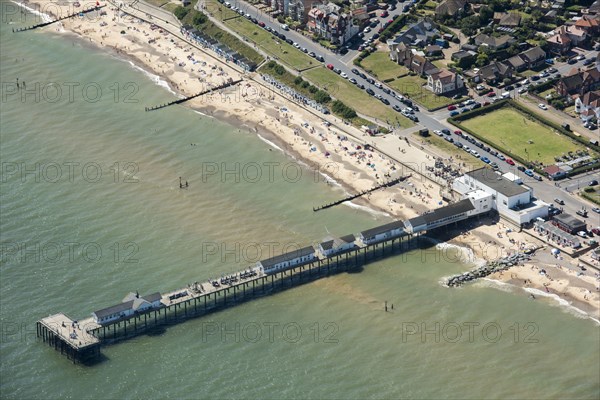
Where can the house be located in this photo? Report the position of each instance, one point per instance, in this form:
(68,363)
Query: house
(131,304)
(418,34)
(383,232)
(298,9)
(512,201)
(287,260)
(517,63)
(403,55)
(443,82)
(326,21)
(464,58)
(492,42)
(564,37)
(509,20)
(450,7)
(588,106)
(332,246)
(568,223)
(433,50)
(578,83)
(589,24)
(533,57)
(495,72)
(554,172)
(458,211)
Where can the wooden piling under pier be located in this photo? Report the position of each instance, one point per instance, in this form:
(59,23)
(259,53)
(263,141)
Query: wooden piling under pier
(179,101)
(57,330)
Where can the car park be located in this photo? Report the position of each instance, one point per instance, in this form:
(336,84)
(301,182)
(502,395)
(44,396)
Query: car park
(476,106)
(521,168)
(464,110)
(312,54)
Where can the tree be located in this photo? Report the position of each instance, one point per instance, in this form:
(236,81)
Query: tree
(199,19)
(181,12)
(482,59)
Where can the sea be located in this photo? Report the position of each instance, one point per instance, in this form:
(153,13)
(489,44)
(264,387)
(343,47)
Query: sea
(91,209)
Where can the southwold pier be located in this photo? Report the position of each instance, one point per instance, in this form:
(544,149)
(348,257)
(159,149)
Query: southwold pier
(81,339)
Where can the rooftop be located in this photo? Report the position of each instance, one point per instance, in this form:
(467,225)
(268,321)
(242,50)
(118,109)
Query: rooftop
(458,208)
(488,177)
(370,233)
(287,256)
(568,220)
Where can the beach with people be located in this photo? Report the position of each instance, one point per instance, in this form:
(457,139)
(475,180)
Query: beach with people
(340,153)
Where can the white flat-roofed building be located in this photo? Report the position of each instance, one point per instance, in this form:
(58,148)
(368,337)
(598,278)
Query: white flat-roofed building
(512,201)
(513,178)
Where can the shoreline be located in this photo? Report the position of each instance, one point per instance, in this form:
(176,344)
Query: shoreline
(296,132)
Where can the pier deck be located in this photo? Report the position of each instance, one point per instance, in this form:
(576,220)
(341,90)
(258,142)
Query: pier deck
(74,334)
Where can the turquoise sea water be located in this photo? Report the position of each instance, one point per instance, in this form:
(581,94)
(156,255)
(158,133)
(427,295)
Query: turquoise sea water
(77,240)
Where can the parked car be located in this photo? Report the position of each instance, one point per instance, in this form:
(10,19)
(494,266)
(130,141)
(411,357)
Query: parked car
(261,24)
(370,91)
(491,94)
(352,80)
(355,71)
(454,113)
(559,201)
(396,107)
(538,178)
(509,161)
(528,172)
(485,160)
(446,131)
(596,209)
(593,183)
(343,75)
(330,66)
(521,168)
(451,107)
(572,61)
(542,106)
(458,132)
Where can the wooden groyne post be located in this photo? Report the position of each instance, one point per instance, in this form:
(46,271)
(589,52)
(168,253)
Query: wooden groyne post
(179,101)
(40,25)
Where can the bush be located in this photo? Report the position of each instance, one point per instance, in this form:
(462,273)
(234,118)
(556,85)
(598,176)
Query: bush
(322,97)
(181,12)
(313,89)
(199,19)
(304,84)
(298,79)
(342,110)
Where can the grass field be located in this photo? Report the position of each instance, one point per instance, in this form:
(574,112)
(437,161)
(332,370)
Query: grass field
(352,96)
(449,149)
(593,196)
(514,132)
(257,36)
(380,65)
(412,85)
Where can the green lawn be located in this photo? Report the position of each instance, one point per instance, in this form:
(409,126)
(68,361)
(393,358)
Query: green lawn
(514,132)
(412,85)
(275,47)
(593,195)
(449,149)
(380,65)
(352,96)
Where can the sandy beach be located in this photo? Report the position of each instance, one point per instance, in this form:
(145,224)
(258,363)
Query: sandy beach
(334,149)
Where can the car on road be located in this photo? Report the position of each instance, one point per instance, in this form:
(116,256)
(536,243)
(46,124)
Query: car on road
(509,161)
(559,201)
(370,91)
(596,209)
(454,113)
(485,160)
(542,106)
(593,183)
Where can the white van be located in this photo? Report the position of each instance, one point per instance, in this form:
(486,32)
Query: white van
(285,27)
(506,95)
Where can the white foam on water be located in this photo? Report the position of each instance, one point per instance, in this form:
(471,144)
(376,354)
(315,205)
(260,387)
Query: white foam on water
(366,208)
(467,256)
(45,17)
(267,141)
(153,77)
